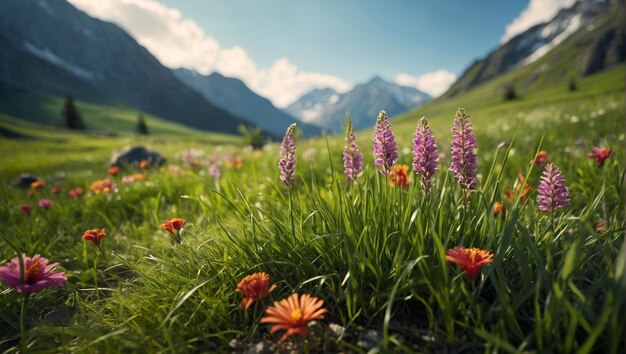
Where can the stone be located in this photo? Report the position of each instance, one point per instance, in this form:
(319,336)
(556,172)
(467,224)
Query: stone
(24,180)
(134,155)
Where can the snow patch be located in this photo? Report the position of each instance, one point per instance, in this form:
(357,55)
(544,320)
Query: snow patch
(572,26)
(49,56)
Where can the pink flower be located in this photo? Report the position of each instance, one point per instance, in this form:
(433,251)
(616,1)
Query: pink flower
(600,154)
(37,274)
(26,208)
(46,203)
(127,179)
(76,192)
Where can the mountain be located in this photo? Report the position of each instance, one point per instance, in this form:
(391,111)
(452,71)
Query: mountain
(51,47)
(326,108)
(235,97)
(537,41)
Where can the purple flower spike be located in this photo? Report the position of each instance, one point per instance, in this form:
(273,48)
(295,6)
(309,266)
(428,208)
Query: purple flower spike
(38,274)
(425,154)
(385,148)
(352,157)
(552,194)
(287,163)
(464,144)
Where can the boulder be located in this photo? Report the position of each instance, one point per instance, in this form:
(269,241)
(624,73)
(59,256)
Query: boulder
(134,155)
(24,180)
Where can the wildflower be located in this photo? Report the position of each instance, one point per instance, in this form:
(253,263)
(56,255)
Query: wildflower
(293,314)
(471,260)
(103,186)
(385,148)
(398,176)
(56,189)
(113,170)
(127,179)
(502,144)
(214,170)
(45,203)
(26,208)
(233,162)
(144,164)
(287,163)
(425,154)
(38,184)
(37,274)
(173,226)
(94,235)
(552,194)
(464,143)
(138,177)
(352,157)
(76,192)
(499,209)
(523,192)
(254,287)
(600,154)
(541,159)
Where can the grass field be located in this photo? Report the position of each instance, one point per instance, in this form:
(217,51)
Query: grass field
(374,253)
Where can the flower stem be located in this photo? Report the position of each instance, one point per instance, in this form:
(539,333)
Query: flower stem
(95,276)
(293,224)
(23,322)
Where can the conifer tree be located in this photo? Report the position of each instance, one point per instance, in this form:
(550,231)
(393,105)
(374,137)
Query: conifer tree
(142,126)
(71,116)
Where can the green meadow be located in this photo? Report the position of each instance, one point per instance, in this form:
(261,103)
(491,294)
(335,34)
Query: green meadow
(375,254)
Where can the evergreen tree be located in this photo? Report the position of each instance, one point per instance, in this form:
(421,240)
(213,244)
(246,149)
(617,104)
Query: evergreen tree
(142,127)
(71,116)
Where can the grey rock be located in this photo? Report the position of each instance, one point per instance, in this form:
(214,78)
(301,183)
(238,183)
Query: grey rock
(134,155)
(24,180)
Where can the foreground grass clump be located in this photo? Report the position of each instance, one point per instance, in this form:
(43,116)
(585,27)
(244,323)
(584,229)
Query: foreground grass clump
(374,253)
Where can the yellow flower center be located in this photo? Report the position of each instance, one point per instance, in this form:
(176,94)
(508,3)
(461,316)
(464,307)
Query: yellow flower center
(296,315)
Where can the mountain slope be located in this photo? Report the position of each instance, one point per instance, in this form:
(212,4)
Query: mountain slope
(327,109)
(529,46)
(234,96)
(55,48)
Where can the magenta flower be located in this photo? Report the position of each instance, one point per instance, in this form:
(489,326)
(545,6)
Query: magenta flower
(26,208)
(385,148)
(425,155)
(352,157)
(46,203)
(464,144)
(214,170)
(37,274)
(287,163)
(600,154)
(552,194)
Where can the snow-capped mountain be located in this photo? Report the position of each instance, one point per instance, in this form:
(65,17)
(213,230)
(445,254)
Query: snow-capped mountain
(49,46)
(327,108)
(531,44)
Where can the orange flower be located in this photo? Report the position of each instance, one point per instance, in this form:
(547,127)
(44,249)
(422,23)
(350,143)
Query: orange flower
(103,186)
(510,195)
(38,184)
(173,224)
(94,236)
(138,177)
(144,164)
(498,207)
(293,314)
(254,287)
(56,189)
(541,159)
(471,260)
(398,176)
(113,170)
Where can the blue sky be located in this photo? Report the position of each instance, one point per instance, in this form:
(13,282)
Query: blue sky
(282,49)
(357,39)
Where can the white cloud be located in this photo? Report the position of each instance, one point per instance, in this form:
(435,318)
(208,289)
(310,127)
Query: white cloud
(180,42)
(538,11)
(434,83)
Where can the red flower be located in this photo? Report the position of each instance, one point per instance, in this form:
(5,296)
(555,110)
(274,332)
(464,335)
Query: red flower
(26,208)
(293,314)
(510,194)
(541,159)
(398,176)
(113,170)
(173,224)
(254,287)
(76,192)
(471,260)
(600,154)
(94,236)
(56,189)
